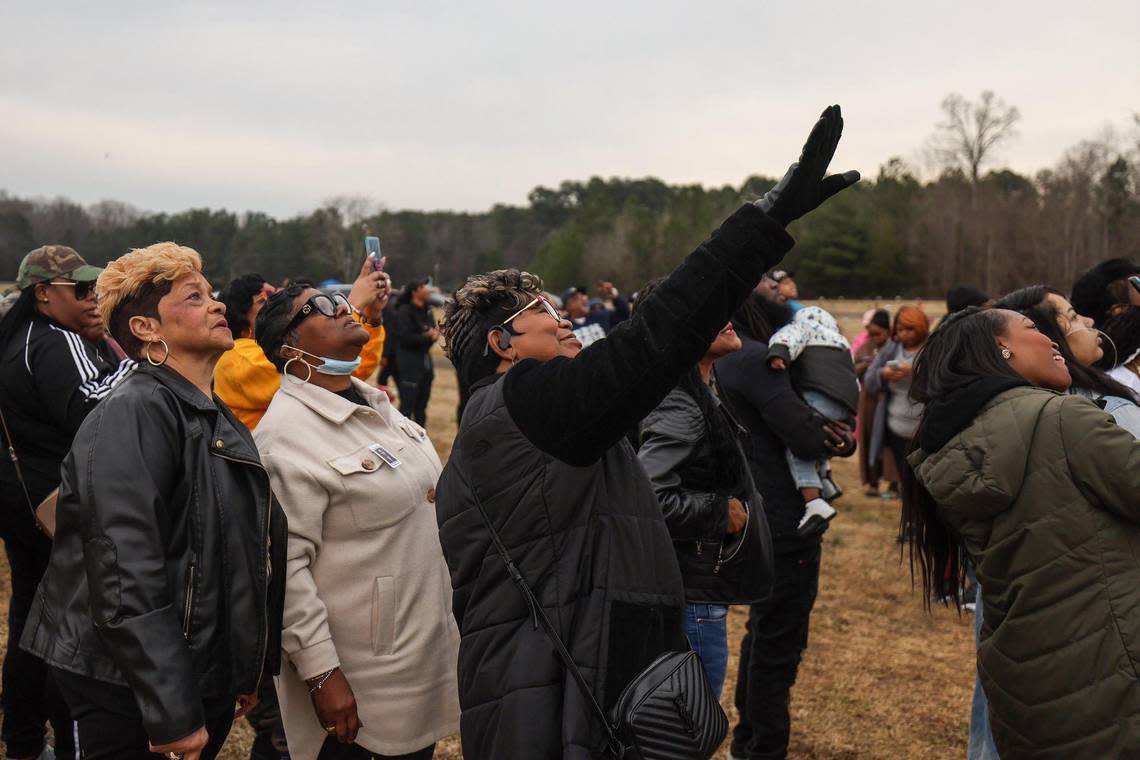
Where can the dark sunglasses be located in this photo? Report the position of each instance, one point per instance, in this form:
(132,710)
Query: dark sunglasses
(82,289)
(321,304)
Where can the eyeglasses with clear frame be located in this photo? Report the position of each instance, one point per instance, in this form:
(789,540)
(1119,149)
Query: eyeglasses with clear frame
(539,300)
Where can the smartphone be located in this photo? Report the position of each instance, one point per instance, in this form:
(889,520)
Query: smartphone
(893,364)
(1135,282)
(372,248)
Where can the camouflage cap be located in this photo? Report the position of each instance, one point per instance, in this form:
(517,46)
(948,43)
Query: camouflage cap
(51,261)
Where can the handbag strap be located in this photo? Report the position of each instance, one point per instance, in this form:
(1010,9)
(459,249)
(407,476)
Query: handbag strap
(16,463)
(541,620)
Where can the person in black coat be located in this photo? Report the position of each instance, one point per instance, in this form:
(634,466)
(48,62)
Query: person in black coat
(55,369)
(776,419)
(416,333)
(691,452)
(542,452)
(160,611)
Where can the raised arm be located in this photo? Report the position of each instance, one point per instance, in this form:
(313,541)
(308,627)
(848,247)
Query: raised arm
(575,409)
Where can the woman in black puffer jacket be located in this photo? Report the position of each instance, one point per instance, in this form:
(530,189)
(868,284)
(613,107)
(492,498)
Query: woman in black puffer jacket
(692,455)
(541,452)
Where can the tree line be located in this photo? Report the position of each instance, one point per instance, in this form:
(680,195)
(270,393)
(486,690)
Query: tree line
(893,233)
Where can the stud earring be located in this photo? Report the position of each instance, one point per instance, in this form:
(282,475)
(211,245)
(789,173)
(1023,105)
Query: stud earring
(1006,353)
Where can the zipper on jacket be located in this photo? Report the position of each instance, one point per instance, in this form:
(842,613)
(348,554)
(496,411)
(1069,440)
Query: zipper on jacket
(263,644)
(720,558)
(189,608)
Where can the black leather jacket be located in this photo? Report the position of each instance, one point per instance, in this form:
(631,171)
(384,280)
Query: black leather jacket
(678,456)
(167,573)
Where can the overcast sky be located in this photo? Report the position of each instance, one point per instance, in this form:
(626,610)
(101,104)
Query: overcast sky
(427,105)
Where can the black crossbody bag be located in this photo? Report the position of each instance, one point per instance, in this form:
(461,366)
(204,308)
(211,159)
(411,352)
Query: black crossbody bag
(667,712)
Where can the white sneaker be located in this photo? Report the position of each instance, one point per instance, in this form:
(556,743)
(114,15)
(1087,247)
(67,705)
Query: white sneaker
(817,514)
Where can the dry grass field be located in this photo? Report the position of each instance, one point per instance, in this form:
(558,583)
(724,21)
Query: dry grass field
(881,679)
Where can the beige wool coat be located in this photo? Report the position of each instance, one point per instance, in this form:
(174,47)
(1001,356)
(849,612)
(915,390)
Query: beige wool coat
(367,587)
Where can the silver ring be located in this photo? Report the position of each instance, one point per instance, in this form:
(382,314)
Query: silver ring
(175,755)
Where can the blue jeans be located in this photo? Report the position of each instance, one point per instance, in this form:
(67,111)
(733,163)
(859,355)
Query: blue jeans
(806,472)
(706,626)
(981,745)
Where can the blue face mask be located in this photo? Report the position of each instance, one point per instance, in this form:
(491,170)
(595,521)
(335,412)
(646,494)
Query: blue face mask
(331,366)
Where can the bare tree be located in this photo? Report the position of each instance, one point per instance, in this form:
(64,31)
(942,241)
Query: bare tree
(971,131)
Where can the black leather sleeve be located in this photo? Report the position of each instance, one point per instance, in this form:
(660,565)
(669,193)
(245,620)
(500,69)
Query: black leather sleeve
(134,460)
(576,409)
(670,436)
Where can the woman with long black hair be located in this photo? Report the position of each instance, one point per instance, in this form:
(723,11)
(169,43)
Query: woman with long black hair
(52,375)
(1040,490)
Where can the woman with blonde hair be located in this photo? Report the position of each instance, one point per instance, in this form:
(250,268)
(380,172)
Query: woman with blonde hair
(161,607)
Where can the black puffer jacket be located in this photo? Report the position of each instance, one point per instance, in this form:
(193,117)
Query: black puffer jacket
(166,535)
(543,447)
(693,482)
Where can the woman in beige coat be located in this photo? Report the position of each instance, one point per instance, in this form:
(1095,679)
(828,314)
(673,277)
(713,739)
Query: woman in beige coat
(368,629)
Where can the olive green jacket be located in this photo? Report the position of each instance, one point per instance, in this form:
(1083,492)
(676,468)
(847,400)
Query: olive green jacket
(1044,490)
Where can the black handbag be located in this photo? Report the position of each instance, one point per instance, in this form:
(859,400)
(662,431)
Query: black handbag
(667,712)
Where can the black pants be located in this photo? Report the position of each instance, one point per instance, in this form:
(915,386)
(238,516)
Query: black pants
(770,657)
(30,698)
(334,750)
(414,397)
(265,719)
(110,725)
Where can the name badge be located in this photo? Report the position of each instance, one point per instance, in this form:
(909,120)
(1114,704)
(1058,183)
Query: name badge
(386,456)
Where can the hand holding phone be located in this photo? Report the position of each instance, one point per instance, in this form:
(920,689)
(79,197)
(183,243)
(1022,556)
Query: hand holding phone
(372,248)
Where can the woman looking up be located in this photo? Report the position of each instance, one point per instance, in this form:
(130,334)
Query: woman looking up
(1081,345)
(1040,489)
(161,608)
(368,626)
(542,453)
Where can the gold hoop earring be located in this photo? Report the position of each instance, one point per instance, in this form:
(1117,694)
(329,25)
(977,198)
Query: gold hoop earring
(285,369)
(165,356)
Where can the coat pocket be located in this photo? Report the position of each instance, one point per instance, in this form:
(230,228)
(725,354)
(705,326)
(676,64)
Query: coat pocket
(378,494)
(384,615)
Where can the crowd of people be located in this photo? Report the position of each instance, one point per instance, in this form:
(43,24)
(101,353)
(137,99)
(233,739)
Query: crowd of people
(210,513)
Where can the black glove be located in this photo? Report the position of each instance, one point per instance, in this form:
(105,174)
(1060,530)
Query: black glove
(804,187)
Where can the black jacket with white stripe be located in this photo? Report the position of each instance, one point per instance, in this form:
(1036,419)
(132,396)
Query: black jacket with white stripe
(50,378)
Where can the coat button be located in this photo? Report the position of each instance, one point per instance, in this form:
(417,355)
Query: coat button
(368,464)
(431,495)
(219,444)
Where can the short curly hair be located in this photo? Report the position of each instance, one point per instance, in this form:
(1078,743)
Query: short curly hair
(133,284)
(484,301)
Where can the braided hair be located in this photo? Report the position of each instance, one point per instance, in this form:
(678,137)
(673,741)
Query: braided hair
(482,302)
